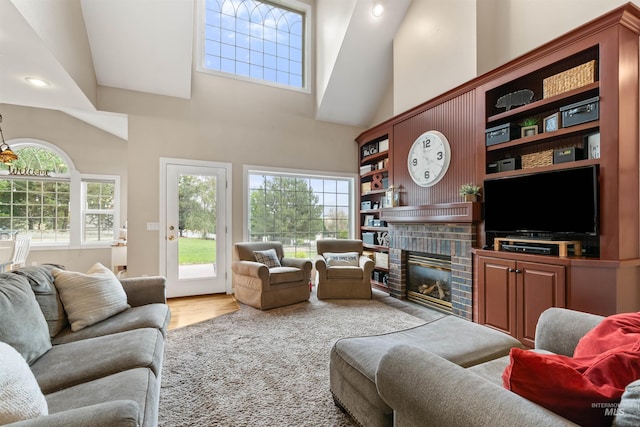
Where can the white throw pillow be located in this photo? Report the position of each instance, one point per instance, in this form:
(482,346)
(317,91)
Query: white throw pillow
(20,395)
(268,258)
(90,298)
(345,259)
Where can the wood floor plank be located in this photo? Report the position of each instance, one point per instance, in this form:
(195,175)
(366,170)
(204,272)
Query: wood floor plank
(189,310)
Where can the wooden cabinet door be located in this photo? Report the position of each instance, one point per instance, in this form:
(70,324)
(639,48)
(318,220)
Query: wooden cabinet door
(497,294)
(538,287)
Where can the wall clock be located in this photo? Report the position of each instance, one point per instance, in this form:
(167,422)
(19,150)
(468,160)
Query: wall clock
(429,158)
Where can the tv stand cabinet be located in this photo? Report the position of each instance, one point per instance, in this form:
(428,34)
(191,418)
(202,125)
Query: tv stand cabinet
(563,245)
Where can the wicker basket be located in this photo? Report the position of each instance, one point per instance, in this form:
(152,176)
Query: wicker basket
(536,160)
(568,80)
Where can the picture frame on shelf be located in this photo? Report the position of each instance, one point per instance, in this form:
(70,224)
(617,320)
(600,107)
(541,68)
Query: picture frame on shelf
(592,145)
(368,220)
(551,123)
(528,131)
(375,205)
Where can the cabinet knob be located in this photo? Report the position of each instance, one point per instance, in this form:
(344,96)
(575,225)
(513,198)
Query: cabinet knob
(518,271)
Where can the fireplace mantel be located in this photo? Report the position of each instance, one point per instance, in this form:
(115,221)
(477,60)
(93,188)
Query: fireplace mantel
(462,212)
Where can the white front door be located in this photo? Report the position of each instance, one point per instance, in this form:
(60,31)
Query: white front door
(193,233)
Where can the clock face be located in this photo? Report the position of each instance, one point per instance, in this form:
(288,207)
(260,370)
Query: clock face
(429,158)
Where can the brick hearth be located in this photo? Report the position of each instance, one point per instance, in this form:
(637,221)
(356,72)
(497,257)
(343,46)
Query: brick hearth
(454,240)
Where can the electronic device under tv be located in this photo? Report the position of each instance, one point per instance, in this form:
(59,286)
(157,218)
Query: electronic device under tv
(553,204)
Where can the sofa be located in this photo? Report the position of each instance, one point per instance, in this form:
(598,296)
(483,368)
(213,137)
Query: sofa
(425,389)
(91,345)
(353,361)
(264,278)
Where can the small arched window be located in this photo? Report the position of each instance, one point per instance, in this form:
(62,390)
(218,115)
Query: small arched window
(42,194)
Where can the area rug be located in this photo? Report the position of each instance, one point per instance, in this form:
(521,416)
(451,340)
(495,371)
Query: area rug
(267,368)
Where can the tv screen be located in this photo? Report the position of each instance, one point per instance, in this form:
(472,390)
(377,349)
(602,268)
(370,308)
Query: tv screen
(556,202)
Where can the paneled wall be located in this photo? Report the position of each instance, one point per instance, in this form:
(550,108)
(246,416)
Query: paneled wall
(455,119)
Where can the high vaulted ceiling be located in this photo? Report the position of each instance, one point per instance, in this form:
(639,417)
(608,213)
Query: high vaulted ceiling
(147,46)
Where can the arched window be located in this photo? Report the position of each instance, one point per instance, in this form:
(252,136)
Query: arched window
(43,195)
(258,40)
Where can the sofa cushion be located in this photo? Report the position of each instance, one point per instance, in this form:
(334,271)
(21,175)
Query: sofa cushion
(155,316)
(94,358)
(346,259)
(90,298)
(614,331)
(628,412)
(20,396)
(137,385)
(23,325)
(268,258)
(41,281)
(571,386)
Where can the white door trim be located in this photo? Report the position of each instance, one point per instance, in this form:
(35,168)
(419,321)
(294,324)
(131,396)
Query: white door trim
(162,235)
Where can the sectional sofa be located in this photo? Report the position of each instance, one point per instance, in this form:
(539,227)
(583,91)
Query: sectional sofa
(100,367)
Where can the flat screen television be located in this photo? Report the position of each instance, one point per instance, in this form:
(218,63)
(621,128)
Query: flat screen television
(554,203)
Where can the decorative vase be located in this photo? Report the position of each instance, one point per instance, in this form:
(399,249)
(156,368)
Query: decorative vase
(470,197)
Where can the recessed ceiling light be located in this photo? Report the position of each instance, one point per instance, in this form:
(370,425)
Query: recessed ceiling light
(378,9)
(37,82)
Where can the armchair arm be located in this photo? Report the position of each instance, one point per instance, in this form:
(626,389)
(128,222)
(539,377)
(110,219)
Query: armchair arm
(145,290)
(427,390)
(118,413)
(251,268)
(366,264)
(320,264)
(559,329)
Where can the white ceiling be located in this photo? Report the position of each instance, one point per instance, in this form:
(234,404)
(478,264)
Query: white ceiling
(132,51)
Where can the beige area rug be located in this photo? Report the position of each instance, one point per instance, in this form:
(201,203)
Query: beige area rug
(269,368)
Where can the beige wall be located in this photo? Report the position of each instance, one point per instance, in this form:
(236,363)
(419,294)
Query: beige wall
(227,121)
(434,50)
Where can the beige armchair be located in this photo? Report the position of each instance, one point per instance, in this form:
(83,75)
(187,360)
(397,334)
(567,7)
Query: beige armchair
(259,286)
(339,280)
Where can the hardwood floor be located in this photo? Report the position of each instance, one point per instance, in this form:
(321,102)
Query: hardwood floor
(189,310)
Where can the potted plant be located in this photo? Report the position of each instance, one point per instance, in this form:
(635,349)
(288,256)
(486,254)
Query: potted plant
(529,127)
(470,192)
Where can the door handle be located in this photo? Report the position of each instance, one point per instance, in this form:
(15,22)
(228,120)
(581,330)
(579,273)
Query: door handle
(172,237)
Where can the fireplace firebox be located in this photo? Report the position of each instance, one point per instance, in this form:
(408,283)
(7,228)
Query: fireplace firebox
(429,280)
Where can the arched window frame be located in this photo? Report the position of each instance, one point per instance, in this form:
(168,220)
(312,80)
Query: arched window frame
(77,197)
(293,5)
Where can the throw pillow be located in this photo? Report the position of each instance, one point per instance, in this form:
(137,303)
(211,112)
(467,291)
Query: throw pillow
(348,259)
(41,281)
(20,395)
(90,298)
(268,258)
(578,389)
(614,331)
(22,324)
(627,413)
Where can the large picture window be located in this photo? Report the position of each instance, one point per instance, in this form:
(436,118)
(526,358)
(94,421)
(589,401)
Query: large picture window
(297,208)
(258,40)
(42,195)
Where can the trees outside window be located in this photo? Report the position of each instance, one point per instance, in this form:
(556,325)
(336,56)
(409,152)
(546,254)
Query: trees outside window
(297,209)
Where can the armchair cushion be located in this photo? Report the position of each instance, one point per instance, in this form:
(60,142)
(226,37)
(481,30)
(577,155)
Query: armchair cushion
(268,258)
(348,259)
(280,275)
(341,272)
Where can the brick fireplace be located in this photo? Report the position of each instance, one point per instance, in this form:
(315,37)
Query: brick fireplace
(454,240)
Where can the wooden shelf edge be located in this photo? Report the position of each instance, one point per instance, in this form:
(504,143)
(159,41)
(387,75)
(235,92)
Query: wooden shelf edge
(546,136)
(462,212)
(558,166)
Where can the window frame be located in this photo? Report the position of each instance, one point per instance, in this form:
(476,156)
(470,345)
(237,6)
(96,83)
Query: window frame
(295,5)
(254,169)
(89,178)
(76,197)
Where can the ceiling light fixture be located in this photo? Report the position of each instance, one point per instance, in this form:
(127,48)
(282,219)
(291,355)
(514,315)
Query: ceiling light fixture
(37,82)
(6,154)
(378,9)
